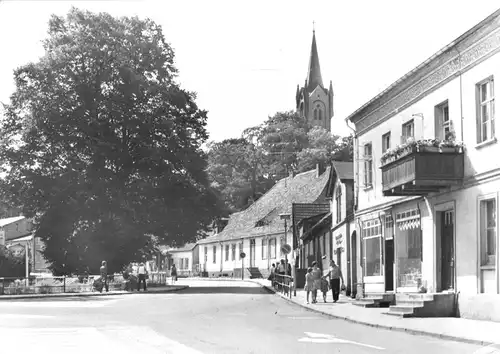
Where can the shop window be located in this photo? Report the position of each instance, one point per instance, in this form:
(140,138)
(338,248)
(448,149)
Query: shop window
(372,238)
(409,248)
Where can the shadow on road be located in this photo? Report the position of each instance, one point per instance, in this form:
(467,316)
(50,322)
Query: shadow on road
(65,298)
(222,290)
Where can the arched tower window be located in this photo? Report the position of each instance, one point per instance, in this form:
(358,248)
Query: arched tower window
(318,112)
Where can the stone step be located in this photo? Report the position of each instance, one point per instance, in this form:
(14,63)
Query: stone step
(412,303)
(418,297)
(404,309)
(364,303)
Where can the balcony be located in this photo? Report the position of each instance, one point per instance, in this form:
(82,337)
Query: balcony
(421,168)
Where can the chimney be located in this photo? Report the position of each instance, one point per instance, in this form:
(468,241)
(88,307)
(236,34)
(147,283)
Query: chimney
(320,168)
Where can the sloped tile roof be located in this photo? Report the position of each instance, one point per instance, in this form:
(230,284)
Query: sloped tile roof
(345,170)
(186,247)
(305,187)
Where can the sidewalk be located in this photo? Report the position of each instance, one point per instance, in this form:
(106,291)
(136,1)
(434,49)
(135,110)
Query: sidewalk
(151,290)
(456,329)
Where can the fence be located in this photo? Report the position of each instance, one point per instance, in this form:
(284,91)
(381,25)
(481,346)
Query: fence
(283,284)
(68,284)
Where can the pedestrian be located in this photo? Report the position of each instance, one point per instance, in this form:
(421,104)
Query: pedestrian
(324,288)
(104,275)
(316,274)
(142,272)
(309,283)
(271,275)
(335,276)
(173,273)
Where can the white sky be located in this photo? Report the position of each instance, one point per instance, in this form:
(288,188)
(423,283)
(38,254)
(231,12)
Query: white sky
(245,59)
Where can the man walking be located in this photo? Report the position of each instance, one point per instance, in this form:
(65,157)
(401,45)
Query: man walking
(142,272)
(104,275)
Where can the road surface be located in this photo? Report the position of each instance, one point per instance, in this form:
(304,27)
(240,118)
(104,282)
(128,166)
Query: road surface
(209,317)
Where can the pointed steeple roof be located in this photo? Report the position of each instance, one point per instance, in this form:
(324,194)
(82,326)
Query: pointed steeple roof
(314,73)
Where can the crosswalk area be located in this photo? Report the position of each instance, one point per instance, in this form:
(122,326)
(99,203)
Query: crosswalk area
(125,340)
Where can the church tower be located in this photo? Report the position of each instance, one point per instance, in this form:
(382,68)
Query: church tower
(314,101)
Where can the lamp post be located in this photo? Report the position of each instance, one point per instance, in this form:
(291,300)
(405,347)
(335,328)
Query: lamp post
(286,217)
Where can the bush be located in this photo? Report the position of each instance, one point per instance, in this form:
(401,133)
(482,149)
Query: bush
(11,266)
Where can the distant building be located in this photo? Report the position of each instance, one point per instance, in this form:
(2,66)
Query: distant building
(185,259)
(16,234)
(314,101)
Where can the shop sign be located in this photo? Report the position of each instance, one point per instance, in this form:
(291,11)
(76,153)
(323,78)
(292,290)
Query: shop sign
(338,240)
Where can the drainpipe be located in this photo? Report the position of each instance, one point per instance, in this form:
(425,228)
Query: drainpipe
(382,239)
(356,162)
(361,256)
(461,91)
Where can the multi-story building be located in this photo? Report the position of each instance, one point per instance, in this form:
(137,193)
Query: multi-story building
(427,181)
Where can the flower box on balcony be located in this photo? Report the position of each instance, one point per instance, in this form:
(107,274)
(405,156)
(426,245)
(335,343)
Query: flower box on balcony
(422,167)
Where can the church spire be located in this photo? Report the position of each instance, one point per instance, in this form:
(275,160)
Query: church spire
(314,73)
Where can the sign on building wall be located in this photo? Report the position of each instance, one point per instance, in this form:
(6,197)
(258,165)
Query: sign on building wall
(339,240)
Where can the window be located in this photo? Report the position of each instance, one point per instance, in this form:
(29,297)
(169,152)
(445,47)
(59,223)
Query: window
(386,142)
(368,162)
(338,200)
(233,251)
(181,263)
(408,131)
(264,248)
(372,238)
(186,263)
(318,112)
(443,126)
(227,252)
(485,110)
(389,227)
(240,250)
(488,231)
(272,248)
(214,249)
(206,255)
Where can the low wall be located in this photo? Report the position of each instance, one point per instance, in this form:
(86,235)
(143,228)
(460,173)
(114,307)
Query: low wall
(479,307)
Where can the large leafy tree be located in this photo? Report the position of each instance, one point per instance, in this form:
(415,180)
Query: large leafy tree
(244,169)
(236,168)
(280,138)
(102,147)
(323,148)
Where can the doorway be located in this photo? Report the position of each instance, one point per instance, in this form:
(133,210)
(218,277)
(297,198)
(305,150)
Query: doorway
(447,251)
(389,265)
(252,253)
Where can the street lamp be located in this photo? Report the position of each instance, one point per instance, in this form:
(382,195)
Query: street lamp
(286,217)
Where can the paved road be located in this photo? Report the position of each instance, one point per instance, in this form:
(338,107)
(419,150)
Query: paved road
(209,317)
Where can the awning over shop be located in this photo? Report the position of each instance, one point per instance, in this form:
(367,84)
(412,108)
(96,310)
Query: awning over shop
(408,219)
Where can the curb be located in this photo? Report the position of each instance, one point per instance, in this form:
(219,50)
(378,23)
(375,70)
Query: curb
(43,296)
(381,326)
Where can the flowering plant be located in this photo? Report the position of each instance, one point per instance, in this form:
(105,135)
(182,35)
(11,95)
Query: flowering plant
(412,144)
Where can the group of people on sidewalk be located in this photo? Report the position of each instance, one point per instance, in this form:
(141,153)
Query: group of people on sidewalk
(138,270)
(315,280)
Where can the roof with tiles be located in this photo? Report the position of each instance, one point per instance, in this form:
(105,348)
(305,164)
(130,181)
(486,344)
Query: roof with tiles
(262,217)
(345,170)
(185,248)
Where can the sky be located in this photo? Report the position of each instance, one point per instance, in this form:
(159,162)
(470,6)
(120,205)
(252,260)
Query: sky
(244,59)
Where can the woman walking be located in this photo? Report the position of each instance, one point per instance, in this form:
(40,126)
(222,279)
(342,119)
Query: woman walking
(316,275)
(309,283)
(173,273)
(335,276)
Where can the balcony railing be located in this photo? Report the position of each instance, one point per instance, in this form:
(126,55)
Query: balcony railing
(420,170)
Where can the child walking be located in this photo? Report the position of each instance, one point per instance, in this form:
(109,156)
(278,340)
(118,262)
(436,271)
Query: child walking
(309,283)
